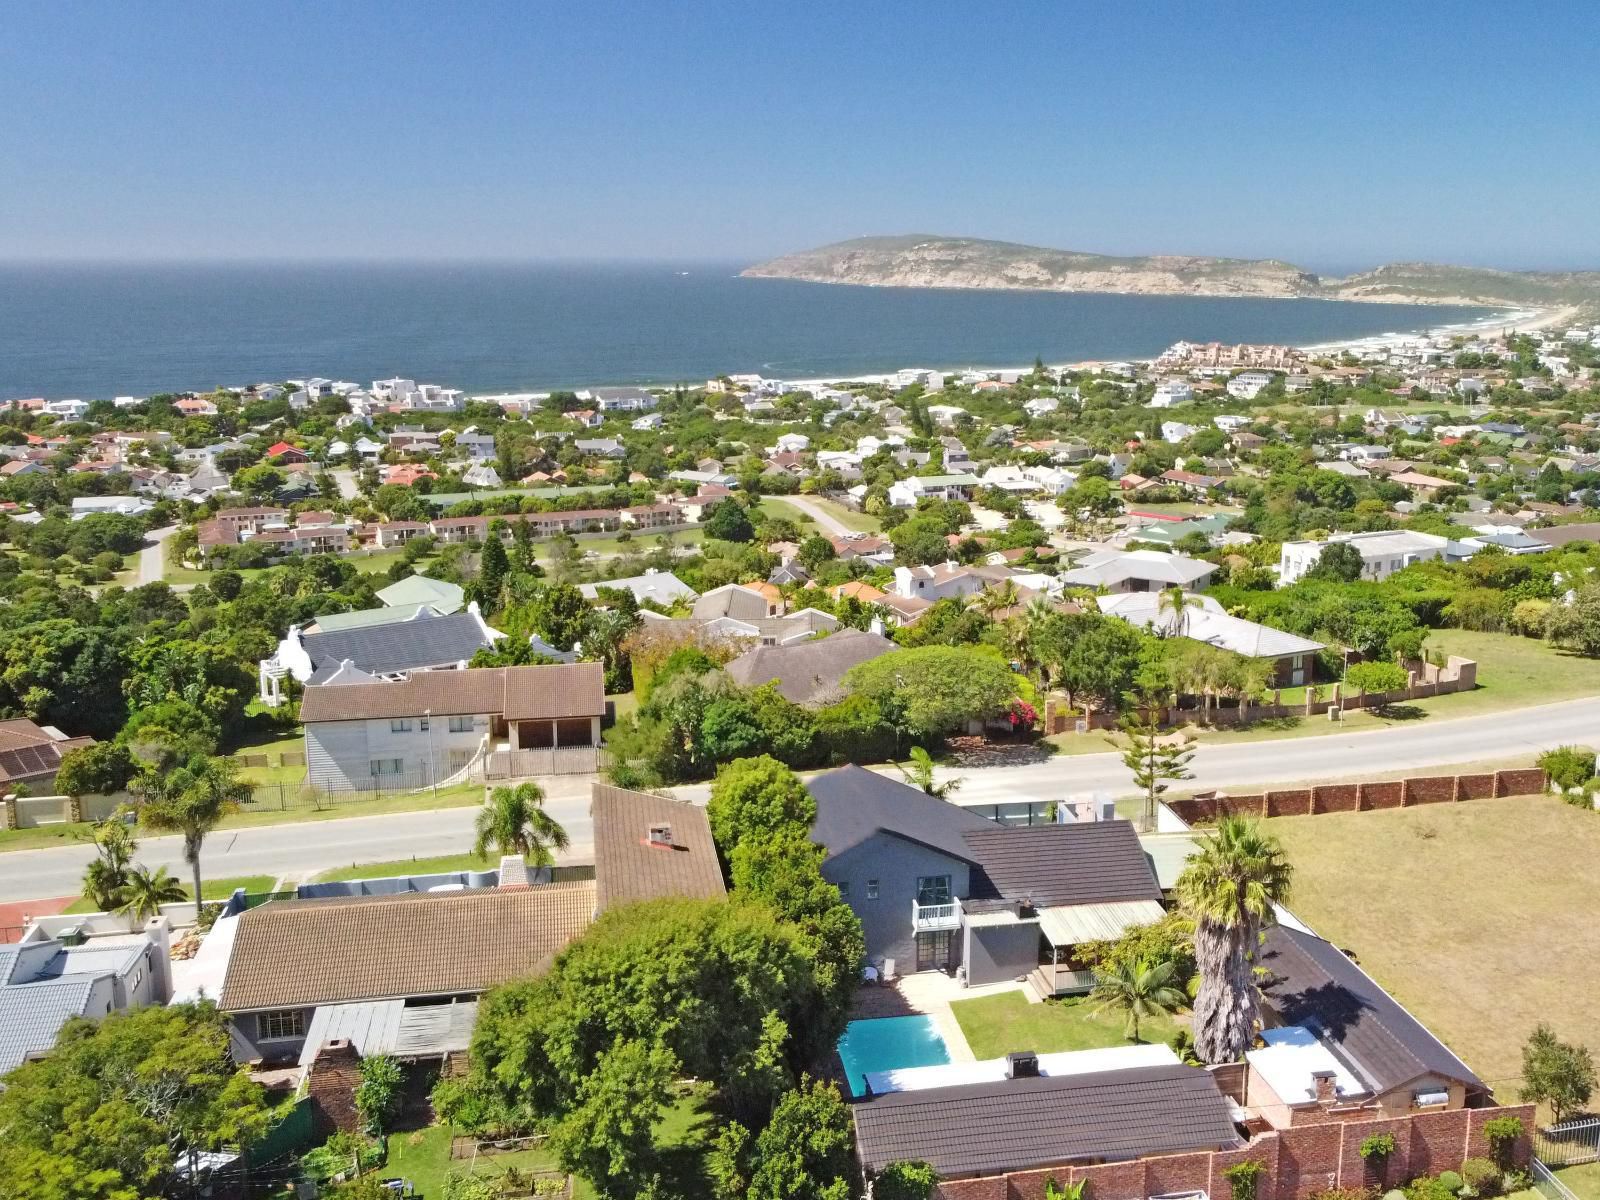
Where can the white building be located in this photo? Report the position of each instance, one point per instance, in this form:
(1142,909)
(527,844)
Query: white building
(1041,406)
(1175,431)
(1247,385)
(1383,552)
(1172,391)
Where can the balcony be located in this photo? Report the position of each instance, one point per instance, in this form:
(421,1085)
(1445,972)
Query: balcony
(935,916)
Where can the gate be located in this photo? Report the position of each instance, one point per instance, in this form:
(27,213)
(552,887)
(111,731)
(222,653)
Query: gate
(1568,1144)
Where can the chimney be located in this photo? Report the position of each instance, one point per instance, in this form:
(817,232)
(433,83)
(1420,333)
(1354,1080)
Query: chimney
(1323,1084)
(661,835)
(513,871)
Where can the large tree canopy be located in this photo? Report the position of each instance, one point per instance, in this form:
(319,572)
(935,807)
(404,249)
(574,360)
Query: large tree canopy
(937,689)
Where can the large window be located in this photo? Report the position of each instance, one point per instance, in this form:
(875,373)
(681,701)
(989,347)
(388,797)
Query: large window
(933,889)
(282,1024)
(387,766)
(400,725)
(460,724)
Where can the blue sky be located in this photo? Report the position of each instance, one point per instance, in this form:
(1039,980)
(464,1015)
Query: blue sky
(1331,135)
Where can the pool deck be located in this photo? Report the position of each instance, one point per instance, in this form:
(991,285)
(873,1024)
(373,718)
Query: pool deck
(928,993)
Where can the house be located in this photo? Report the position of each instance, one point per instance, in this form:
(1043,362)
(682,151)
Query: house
(938,887)
(658,587)
(1383,552)
(1040,406)
(1337,1036)
(619,399)
(649,847)
(1174,432)
(809,673)
(1190,482)
(321,539)
(297,966)
(1138,571)
(906,492)
(600,447)
(47,981)
(406,474)
(767,631)
(23,466)
(30,754)
(424,641)
(1293,658)
(481,475)
(742,601)
(859,591)
(936,583)
(440,595)
(433,725)
(1247,385)
(1170,392)
(283,452)
(1423,487)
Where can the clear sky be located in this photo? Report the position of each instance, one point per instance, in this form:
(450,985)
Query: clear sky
(1334,135)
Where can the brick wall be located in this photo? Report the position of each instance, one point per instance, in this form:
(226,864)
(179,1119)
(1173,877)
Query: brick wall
(1299,1162)
(1353,797)
(331,1084)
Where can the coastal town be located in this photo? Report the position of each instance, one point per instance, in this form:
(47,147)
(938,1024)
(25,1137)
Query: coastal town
(1064,781)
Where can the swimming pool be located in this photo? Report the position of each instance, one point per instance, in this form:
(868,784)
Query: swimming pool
(887,1043)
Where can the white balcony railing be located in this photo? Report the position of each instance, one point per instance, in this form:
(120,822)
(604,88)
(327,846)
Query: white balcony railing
(935,916)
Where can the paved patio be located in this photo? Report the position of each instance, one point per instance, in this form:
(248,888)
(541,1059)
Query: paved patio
(930,994)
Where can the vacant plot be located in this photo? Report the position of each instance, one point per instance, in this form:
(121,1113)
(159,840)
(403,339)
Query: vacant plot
(1478,917)
(997,1025)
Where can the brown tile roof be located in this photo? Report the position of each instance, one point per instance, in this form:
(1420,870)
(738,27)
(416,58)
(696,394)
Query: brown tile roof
(628,868)
(27,751)
(302,953)
(517,693)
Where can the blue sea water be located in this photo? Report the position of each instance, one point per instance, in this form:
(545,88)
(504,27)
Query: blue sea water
(104,330)
(887,1044)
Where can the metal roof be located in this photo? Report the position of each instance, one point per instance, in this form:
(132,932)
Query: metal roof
(394,1028)
(1074,924)
(1168,853)
(1021,1124)
(442,595)
(32,1014)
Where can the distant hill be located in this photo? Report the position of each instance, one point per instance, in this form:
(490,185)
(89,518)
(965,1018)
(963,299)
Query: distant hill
(926,260)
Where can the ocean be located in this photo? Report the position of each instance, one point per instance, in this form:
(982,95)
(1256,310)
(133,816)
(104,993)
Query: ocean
(106,330)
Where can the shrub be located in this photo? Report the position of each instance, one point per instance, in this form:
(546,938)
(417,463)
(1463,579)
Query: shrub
(1427,1187)
(1503,1134)
(1379,1146)
(1481,1175)
(380,1092)
(1450,1180)
(905,1181)
(1560,1074)
(1394,1194)
(1568,767)
(1346,1193)
(1244,1179)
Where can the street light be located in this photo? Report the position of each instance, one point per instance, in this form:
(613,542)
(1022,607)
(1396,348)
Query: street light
(433,774)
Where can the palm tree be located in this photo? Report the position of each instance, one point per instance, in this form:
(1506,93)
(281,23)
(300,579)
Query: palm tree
(919,774)
(1137,990)
(1172,610)
(107,874)
(191,800)
(1229,888)
(1001,596)
(515,822)
(145,892)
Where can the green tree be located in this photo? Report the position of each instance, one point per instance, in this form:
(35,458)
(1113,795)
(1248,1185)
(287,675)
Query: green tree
(728,522)
(1576,626)
(1173,609)
(380,1093)
(1228,889)
(1375,676)
(937,689)
(1560,1074)
(1157,760)
(107,873)
(123,1104)
(493,567)
(1340,562)
(805,1152)
(515,822)
(1568,768)
(608,1135)
(143,893)
(919,773)
(1139,990)
(98,769)
(191,800)
(758,798)
(1094,657)
(914,1180)
(815,551)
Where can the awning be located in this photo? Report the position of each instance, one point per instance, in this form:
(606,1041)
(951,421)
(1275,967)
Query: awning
(394,1028)
(1074,924)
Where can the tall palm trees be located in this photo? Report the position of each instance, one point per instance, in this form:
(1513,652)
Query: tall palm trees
(1138,990)
(145,891)
(515,822)
(1229,887)
(1172,610)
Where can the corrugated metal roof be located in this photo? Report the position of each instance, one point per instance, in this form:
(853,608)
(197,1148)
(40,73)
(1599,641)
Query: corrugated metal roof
(429,1029)
(1168,853)
(370,1027)
(1074,924)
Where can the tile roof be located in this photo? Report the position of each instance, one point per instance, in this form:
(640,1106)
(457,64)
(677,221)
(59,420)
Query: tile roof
(517,693)
(809,672)
(424,641)
(304,953)
(1090,863)
(628,868)
(1020,1124)
(32,1014)
(1316,985)
(27,751)
(854,803)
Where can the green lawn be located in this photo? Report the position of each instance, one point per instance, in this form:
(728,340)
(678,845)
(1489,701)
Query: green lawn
(440,865)
(998,1025)
(1584,1182)
(272,741)
(210,889)
(1473,915)
(44,836)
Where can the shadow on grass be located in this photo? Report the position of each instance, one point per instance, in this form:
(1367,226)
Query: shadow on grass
(1399,712)
(1276,724)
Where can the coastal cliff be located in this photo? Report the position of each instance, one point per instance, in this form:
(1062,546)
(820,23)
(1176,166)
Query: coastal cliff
(926,261)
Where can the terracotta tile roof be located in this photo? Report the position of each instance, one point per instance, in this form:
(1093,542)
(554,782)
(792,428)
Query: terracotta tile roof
(516,693)
(303,953)
(629,868)
(27,751)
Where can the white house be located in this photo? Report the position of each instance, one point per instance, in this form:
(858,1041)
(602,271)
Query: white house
(946,414)
(792,443)
(1041,406)
(619,399)
(1230,423)
(1175,431)
(1172,391)
(1383,552)
(937,583)
(907,492)
(1138,571)
(1247,385)
(72,410)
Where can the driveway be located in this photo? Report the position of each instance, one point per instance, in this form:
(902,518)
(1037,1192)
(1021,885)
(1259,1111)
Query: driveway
(152,559)
(826,521)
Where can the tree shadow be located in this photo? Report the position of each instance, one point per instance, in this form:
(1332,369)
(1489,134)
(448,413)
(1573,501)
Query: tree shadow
(1399,712)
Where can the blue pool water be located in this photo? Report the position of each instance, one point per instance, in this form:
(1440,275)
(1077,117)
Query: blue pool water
(886,1044)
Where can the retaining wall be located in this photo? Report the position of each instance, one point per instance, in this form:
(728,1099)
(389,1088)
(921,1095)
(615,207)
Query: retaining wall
(1362,797)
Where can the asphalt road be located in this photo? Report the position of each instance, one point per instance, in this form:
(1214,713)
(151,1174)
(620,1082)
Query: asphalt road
(152,563)
(298,850)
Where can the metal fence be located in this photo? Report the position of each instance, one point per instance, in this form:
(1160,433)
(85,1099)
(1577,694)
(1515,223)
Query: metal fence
(284,797)
(1549,1185)
(1568,1144)
(524,764)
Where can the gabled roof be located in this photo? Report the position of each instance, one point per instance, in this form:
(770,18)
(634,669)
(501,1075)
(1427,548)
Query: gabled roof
(439,594)
(32,1014)
(305,953)
(853,804)
(628,867)
(424,641)
(1092,862)
(808,672)
(1316,985)
(546,693)
(1019,1124)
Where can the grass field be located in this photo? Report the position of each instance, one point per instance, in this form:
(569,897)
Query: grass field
(997,1025)
(860,522)
(440,865)
(1478,917)
(210,889)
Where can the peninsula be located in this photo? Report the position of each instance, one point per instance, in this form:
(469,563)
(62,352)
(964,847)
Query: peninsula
(923,260)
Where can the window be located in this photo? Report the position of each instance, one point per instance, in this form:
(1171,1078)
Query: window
(400,725)
(422,725)
(872,889)
(284,1023)
(933,889)
(460,724)
(387,766)
(844,890)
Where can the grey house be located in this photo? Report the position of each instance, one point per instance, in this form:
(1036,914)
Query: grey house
(939,888)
